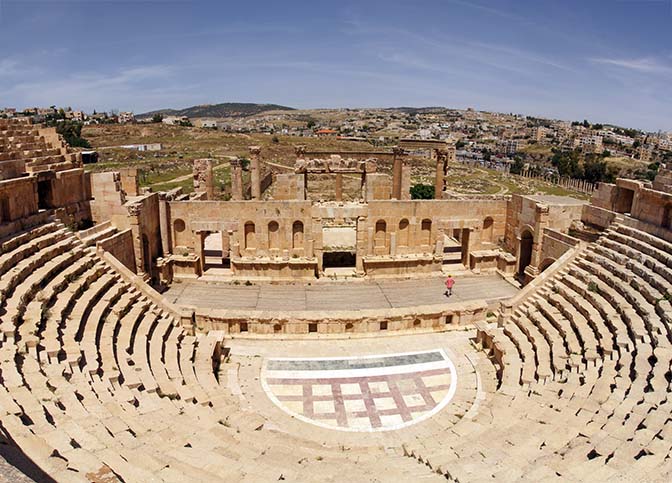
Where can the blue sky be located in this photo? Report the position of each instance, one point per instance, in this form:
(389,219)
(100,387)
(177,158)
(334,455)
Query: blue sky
(605,60)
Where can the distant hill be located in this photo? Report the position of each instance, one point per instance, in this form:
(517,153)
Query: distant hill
(419,110)
(226,109)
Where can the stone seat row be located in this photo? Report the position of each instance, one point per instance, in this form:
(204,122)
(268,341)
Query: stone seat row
(26,144)
(39,152)
(44,276)
(99,382)
(584,375)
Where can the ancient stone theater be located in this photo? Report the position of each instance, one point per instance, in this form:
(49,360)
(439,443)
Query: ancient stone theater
(162,336)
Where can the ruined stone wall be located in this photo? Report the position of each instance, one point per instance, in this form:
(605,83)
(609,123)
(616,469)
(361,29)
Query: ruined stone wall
(378,187)
(647,205)
(444,216)
(70,187)
(596,216)
(554,244)
(12,168)
(262,236)
(653,207)
(285,238)
(120,245)
(526,213)
(108,200)
(427,318)
(145,226)
(128,178)
(521,215)
(604,196)
(289,186)
(18,198)
(663,181)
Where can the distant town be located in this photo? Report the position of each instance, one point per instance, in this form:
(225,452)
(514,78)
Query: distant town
(579,149)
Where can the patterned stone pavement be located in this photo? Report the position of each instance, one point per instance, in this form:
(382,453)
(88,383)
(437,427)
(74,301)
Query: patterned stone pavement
(339,296)
(359,392)
(368,393)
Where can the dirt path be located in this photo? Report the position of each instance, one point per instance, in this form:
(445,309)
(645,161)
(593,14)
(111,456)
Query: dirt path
(185,177)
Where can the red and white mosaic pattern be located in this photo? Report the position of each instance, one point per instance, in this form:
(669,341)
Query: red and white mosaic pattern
(372,393)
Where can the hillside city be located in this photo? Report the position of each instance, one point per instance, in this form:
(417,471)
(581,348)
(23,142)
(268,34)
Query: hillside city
(513,142)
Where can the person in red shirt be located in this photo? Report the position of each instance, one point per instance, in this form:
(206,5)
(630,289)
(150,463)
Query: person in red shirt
(450,281)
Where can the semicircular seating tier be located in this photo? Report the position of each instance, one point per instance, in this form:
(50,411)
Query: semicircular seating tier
(99,383)
(584,375)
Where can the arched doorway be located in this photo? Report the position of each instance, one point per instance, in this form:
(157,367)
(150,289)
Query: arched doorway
(525,251)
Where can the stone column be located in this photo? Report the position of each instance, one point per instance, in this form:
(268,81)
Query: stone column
(339,187)
(255,171)
(226,244)
(164,225)
(393,244)
(406,183)
(236,179)
(361,244)
(203,177)
(199,247)
(134,211)
(397,172)
(438,246)
(466,246)
(451,154)
(440,174)
(369,241)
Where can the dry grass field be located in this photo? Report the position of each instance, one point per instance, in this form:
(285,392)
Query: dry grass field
(172,166)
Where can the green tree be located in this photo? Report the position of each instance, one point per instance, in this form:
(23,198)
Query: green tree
(158,117)
(422,192)
(72,133)
(567,163)
(517,166)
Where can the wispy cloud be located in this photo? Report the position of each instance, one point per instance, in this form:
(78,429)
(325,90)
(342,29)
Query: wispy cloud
(8,67)
(91,89)
(11,69)
(650,65)
(490,10)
